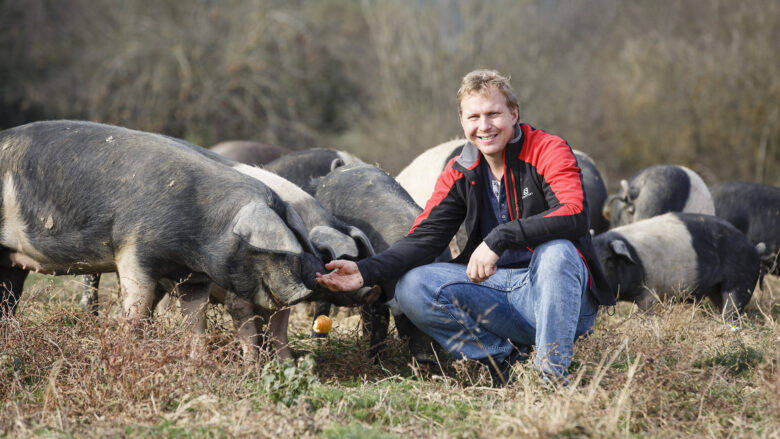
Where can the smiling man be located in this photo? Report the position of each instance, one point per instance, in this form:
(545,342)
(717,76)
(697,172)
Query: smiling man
(528,275)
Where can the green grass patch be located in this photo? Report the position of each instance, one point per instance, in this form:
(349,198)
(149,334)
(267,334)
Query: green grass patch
(355,431)
(736,358)
(169,429)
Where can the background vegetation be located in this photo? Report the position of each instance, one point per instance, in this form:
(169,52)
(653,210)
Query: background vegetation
(691,82)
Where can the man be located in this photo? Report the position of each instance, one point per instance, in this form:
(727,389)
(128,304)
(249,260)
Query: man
(528,274)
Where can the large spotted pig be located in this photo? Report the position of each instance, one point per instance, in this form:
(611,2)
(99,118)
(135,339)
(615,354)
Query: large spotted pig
(754,209)
(656,190)
(81,197)
(680,254)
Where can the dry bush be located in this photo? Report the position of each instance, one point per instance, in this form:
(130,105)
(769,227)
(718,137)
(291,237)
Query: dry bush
(693,83)
(203,70)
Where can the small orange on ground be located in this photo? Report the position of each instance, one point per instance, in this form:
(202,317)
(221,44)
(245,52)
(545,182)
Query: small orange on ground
(322,324)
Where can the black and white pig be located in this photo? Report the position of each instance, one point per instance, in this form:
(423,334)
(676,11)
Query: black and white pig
(249,152)
(678,255)
(754,209)
(333,238)
(656,190)
(372,200)
(304,167)
(80,197)
(419,178)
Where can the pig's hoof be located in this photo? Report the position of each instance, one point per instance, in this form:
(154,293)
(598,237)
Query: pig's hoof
(422,350)
(315,334)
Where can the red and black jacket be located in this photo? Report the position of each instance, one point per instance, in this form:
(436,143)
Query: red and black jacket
(546,201)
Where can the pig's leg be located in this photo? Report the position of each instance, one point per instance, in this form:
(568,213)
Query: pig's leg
(730,299)
(246,323)
(11,282)
(89,299)
(193,299)
(137,286)
(376,320)
(278,323)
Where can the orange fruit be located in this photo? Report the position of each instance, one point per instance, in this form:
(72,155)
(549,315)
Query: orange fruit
(322,324)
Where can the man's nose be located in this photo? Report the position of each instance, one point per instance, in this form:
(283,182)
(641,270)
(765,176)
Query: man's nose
(484,123)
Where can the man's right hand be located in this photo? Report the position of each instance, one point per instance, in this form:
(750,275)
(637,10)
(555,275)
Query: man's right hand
(344,276)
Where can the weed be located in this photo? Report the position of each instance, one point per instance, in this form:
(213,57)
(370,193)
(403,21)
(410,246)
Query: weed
(355,431)
(737,358)
(284,382)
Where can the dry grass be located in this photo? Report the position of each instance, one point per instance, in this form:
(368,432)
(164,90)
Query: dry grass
(676,373)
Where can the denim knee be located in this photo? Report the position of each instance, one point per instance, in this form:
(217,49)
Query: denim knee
(410,292)
(557,257)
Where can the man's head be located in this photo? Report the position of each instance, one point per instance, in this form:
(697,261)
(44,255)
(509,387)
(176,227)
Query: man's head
(488,111)
(481,81)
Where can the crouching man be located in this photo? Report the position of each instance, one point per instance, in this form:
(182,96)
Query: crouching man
(528,275)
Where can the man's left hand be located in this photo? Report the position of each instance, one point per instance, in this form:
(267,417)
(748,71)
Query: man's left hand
(482,263)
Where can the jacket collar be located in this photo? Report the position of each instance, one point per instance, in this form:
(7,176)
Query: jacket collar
(470,157)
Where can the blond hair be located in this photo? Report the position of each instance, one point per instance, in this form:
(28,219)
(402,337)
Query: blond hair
(481,81)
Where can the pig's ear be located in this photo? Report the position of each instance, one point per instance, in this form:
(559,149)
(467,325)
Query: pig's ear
(336,163)
(332,242)
(298,227)
(630,193)
(365,249)
(620,248)
(259,226)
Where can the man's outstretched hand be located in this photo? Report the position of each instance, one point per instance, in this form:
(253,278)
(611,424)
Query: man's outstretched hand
(344,276)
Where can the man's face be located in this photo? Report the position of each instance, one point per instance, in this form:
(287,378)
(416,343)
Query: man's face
(487,121)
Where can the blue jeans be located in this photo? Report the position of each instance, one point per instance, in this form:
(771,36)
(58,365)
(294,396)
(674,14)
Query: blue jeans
(547,305)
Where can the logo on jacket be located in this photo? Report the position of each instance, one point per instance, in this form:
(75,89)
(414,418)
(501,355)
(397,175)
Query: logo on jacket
(526,193)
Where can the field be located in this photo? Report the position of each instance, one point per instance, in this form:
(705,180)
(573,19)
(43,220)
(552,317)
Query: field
(676,373)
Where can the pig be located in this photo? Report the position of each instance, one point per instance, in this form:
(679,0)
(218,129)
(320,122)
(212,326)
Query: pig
(595,191)
(248,152)
(80,197)
(419,179)
(656,190)
(331,237)
(754,209)
(304,167)
(370,199)
(680,254)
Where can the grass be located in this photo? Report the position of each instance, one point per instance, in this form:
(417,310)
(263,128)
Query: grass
(678,372)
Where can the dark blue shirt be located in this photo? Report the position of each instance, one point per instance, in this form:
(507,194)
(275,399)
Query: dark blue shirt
(495,211)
